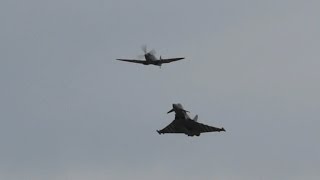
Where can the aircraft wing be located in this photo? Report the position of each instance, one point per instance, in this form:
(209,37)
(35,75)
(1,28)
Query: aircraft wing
(170,60)
(173,127)
(202,128)
(133,61)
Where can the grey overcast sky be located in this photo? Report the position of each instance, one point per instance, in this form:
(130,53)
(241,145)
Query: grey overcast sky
(69,111)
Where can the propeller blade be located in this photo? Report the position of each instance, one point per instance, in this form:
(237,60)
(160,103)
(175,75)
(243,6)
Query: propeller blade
(144,48)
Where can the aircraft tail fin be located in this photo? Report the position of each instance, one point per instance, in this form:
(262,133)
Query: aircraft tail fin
(196,118)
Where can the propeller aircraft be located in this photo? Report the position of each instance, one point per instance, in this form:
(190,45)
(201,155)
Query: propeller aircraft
(150,58)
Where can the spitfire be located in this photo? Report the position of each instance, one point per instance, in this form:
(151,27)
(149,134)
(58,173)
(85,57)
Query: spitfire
(182,123)
(150,59)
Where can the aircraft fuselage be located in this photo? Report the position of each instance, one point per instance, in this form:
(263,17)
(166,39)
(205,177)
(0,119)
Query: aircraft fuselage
(150,57)
(187,126)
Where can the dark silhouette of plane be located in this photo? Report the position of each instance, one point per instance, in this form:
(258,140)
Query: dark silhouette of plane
(182,123)
(150,58)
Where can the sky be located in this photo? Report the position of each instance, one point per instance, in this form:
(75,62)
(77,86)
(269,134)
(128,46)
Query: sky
(69,110)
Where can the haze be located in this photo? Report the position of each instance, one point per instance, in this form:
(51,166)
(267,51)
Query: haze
(69,110)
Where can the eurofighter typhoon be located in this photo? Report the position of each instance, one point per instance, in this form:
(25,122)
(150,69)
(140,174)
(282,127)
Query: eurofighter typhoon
(182,123)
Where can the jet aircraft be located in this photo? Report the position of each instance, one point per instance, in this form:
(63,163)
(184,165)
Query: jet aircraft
(182,123)
(150,58)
